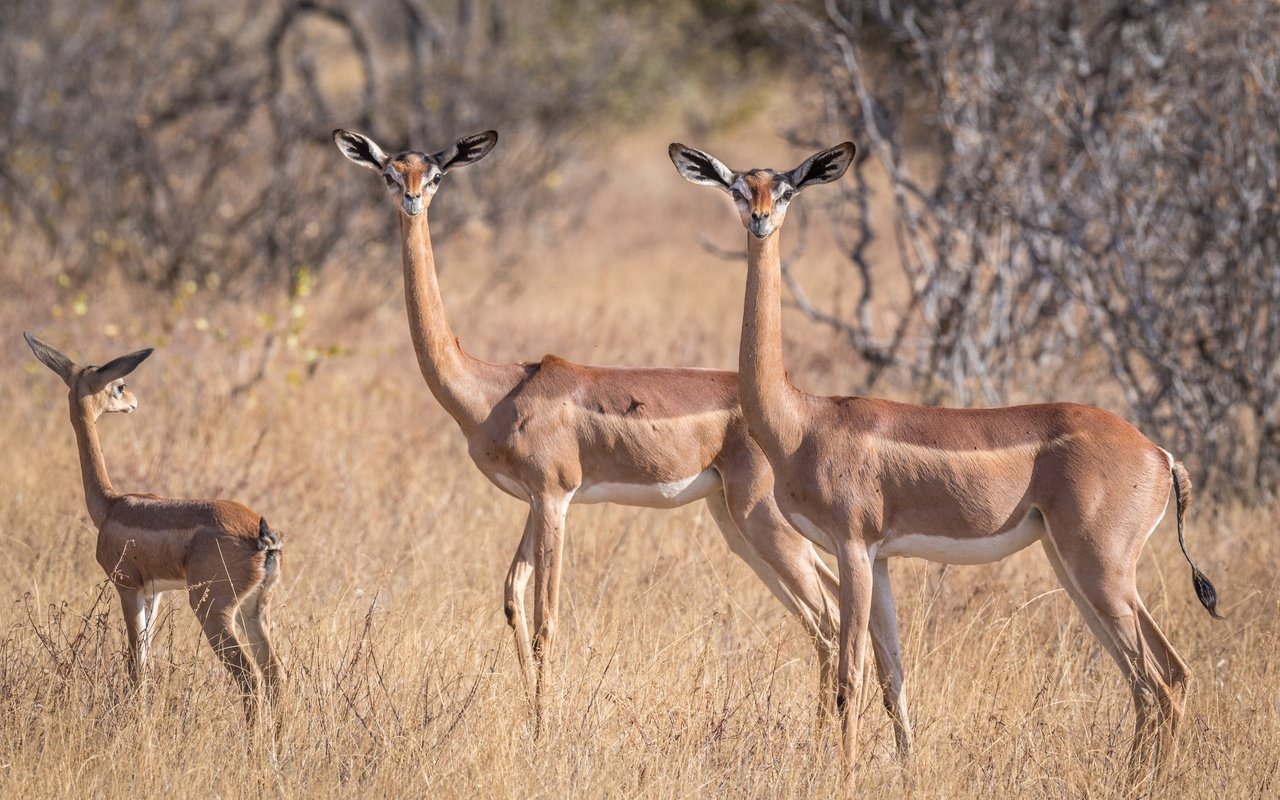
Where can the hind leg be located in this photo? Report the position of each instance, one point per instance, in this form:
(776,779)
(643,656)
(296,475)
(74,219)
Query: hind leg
(217,612)
(788,565)
(1086,610)
(254,618)
(1107,595)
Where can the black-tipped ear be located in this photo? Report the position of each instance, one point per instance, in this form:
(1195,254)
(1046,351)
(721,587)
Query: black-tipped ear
(116,369)
(467,150)
(360,149)
(51,357)
(823,167)
(699,167)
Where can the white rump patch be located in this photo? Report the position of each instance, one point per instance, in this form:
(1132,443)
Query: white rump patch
(972,550)
(670,494)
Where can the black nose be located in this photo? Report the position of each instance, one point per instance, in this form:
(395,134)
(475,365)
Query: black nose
(759,215)
(408,196)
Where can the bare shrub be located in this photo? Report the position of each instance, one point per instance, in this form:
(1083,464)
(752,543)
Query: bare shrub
(1092,175)
(178,141)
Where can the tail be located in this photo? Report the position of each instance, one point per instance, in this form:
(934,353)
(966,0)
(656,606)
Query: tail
(272,541)
(1182,494)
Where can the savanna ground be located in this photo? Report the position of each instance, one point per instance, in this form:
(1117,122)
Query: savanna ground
(677,674)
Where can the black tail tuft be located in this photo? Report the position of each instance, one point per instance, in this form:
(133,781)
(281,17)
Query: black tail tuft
(267,538)
(269,541)
(1204,589)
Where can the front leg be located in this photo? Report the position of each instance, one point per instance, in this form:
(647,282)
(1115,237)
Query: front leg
(855,610)
(134,606)
(888,652)
(516,584)
(547,513)
(153,608)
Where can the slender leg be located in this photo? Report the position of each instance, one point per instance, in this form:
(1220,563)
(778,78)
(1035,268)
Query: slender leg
(1105,591)
(153,609)
(1157,677)
(855,612)
(217,614)
(787,563)
(516,584)
(254,617)
(549,514)
(134,606)
(888,651)
(1086,610)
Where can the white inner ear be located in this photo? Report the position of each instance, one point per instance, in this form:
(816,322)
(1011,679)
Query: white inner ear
(692,168)
(723,171)
(379,157)
(360,149)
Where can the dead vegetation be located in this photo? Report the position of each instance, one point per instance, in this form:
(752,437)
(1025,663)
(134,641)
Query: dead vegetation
(1098,179)
(678,674)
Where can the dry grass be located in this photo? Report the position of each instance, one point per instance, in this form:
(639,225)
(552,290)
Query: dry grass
(678,674)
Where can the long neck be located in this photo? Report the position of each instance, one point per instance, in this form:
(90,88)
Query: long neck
(98,494)
(770,402)
(453,376)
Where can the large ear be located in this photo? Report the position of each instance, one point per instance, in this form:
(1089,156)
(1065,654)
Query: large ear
(700,167)
(116,368)
(467,150)
(360,149)
(823,167)
(51,357)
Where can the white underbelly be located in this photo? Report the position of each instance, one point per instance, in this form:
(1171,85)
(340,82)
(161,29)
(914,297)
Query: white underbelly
(812,532)
(155,587)
(510,485)
(968,550)
(669,494)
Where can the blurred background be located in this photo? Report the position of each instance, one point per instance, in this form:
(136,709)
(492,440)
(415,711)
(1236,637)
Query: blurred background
(1052,201)
(1048,195)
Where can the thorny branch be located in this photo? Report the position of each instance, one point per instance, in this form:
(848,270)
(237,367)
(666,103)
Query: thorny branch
(1068,182)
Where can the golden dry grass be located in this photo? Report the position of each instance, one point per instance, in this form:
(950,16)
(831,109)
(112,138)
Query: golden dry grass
(678,675)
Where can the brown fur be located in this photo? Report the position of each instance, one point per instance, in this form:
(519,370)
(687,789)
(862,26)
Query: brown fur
(760,199)
(861,471)
(544,431)
(214,549)
(553,433)
(867,477)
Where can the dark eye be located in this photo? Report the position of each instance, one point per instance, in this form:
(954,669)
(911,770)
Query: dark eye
(437,178)
(120,389)
(738,195)
(787,195)
(391,183)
